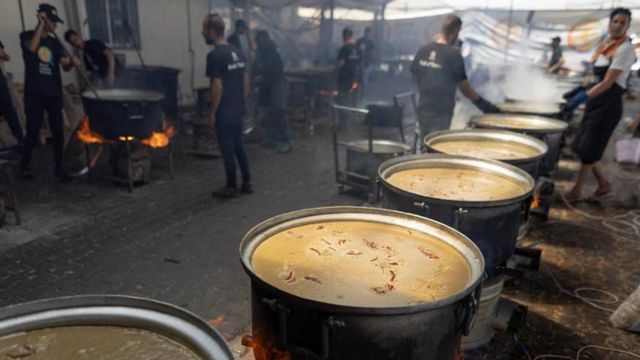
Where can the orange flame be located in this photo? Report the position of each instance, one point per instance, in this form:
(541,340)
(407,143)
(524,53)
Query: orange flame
(263,349)
(160,139)
(86,135)
(355,86)
(535,202)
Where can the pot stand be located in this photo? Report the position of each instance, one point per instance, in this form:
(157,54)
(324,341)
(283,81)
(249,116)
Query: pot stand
(128,178)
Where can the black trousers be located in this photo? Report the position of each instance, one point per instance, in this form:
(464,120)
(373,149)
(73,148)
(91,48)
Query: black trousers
(35,106)
(229,134)
(8,111)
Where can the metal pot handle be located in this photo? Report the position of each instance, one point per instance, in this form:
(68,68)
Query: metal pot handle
(331,322)
(458,218)
(526,207)
(133,116)
(424,206)
(470,308)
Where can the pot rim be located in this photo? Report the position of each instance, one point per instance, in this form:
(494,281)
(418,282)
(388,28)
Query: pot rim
(477,134)
(560,125)
(355,145)
(155,316)
(141,95)
(279,223)
(495,166)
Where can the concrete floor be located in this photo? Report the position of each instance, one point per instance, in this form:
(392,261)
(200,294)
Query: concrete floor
(171,241)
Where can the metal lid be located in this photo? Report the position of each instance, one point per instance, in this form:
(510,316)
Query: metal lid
(281,223)
(379,146)
(124,95)
(486,135)
(115,310)
(443,161)
(519,123)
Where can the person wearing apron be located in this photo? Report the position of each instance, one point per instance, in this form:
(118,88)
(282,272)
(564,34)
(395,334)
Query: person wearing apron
(611,67)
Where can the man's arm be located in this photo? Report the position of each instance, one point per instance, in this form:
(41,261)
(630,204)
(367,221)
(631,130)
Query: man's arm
(33,43)
(604,85)
(468,91)
(216,97)
(556,66)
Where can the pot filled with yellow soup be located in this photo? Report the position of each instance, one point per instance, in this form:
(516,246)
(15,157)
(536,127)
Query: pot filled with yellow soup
(106,327)
(520,150)
(486,200)
(551,131)
(360,283)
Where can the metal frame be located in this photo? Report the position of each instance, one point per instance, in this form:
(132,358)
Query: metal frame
(343,177)
(414,103)
(128,180)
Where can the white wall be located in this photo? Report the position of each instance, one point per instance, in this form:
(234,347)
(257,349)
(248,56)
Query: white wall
(164,32)
(10,29)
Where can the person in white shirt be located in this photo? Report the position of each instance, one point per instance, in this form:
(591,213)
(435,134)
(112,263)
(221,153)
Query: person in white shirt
(611,67)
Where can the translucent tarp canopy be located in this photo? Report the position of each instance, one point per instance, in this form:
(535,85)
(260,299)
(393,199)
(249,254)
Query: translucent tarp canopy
(422,5)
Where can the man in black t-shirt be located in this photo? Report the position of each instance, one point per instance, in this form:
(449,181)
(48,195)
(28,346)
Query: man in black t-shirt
(7,110)
(98,58)
(43,56)
(438,69)
(348,68)
(240,31)
(229,89)
(366,47)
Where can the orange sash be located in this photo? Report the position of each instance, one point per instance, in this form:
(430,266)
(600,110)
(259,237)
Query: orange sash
(607,48)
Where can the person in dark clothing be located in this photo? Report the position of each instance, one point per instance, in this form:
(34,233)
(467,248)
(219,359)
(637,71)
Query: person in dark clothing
(229,89)
(438,69)
(557,61)
(43,56)
(612,63)
(268,74)
(349,70)
(98,58)
(240,31)
(366,48)
(7,110)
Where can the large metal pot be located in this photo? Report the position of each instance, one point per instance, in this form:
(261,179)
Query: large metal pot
(469,142)
(120,311)
(121,112)
(550,131)
(310,329)
(360,161)
(549,109)
(160,79)
(385,114)
(491,224)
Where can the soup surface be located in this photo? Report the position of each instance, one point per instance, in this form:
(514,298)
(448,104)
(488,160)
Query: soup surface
(92,343)
(486,149)
(530,107)
(459,184)
(520,123)
(363,264)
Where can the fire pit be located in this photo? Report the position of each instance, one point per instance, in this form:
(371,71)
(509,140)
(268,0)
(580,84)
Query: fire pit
(132,122)
(104,327)
(359,283)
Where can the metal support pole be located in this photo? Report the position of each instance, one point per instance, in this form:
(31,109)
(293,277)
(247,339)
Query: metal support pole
(506,47)
(129,167)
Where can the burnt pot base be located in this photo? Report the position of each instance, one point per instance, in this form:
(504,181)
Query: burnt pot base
(308,334)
